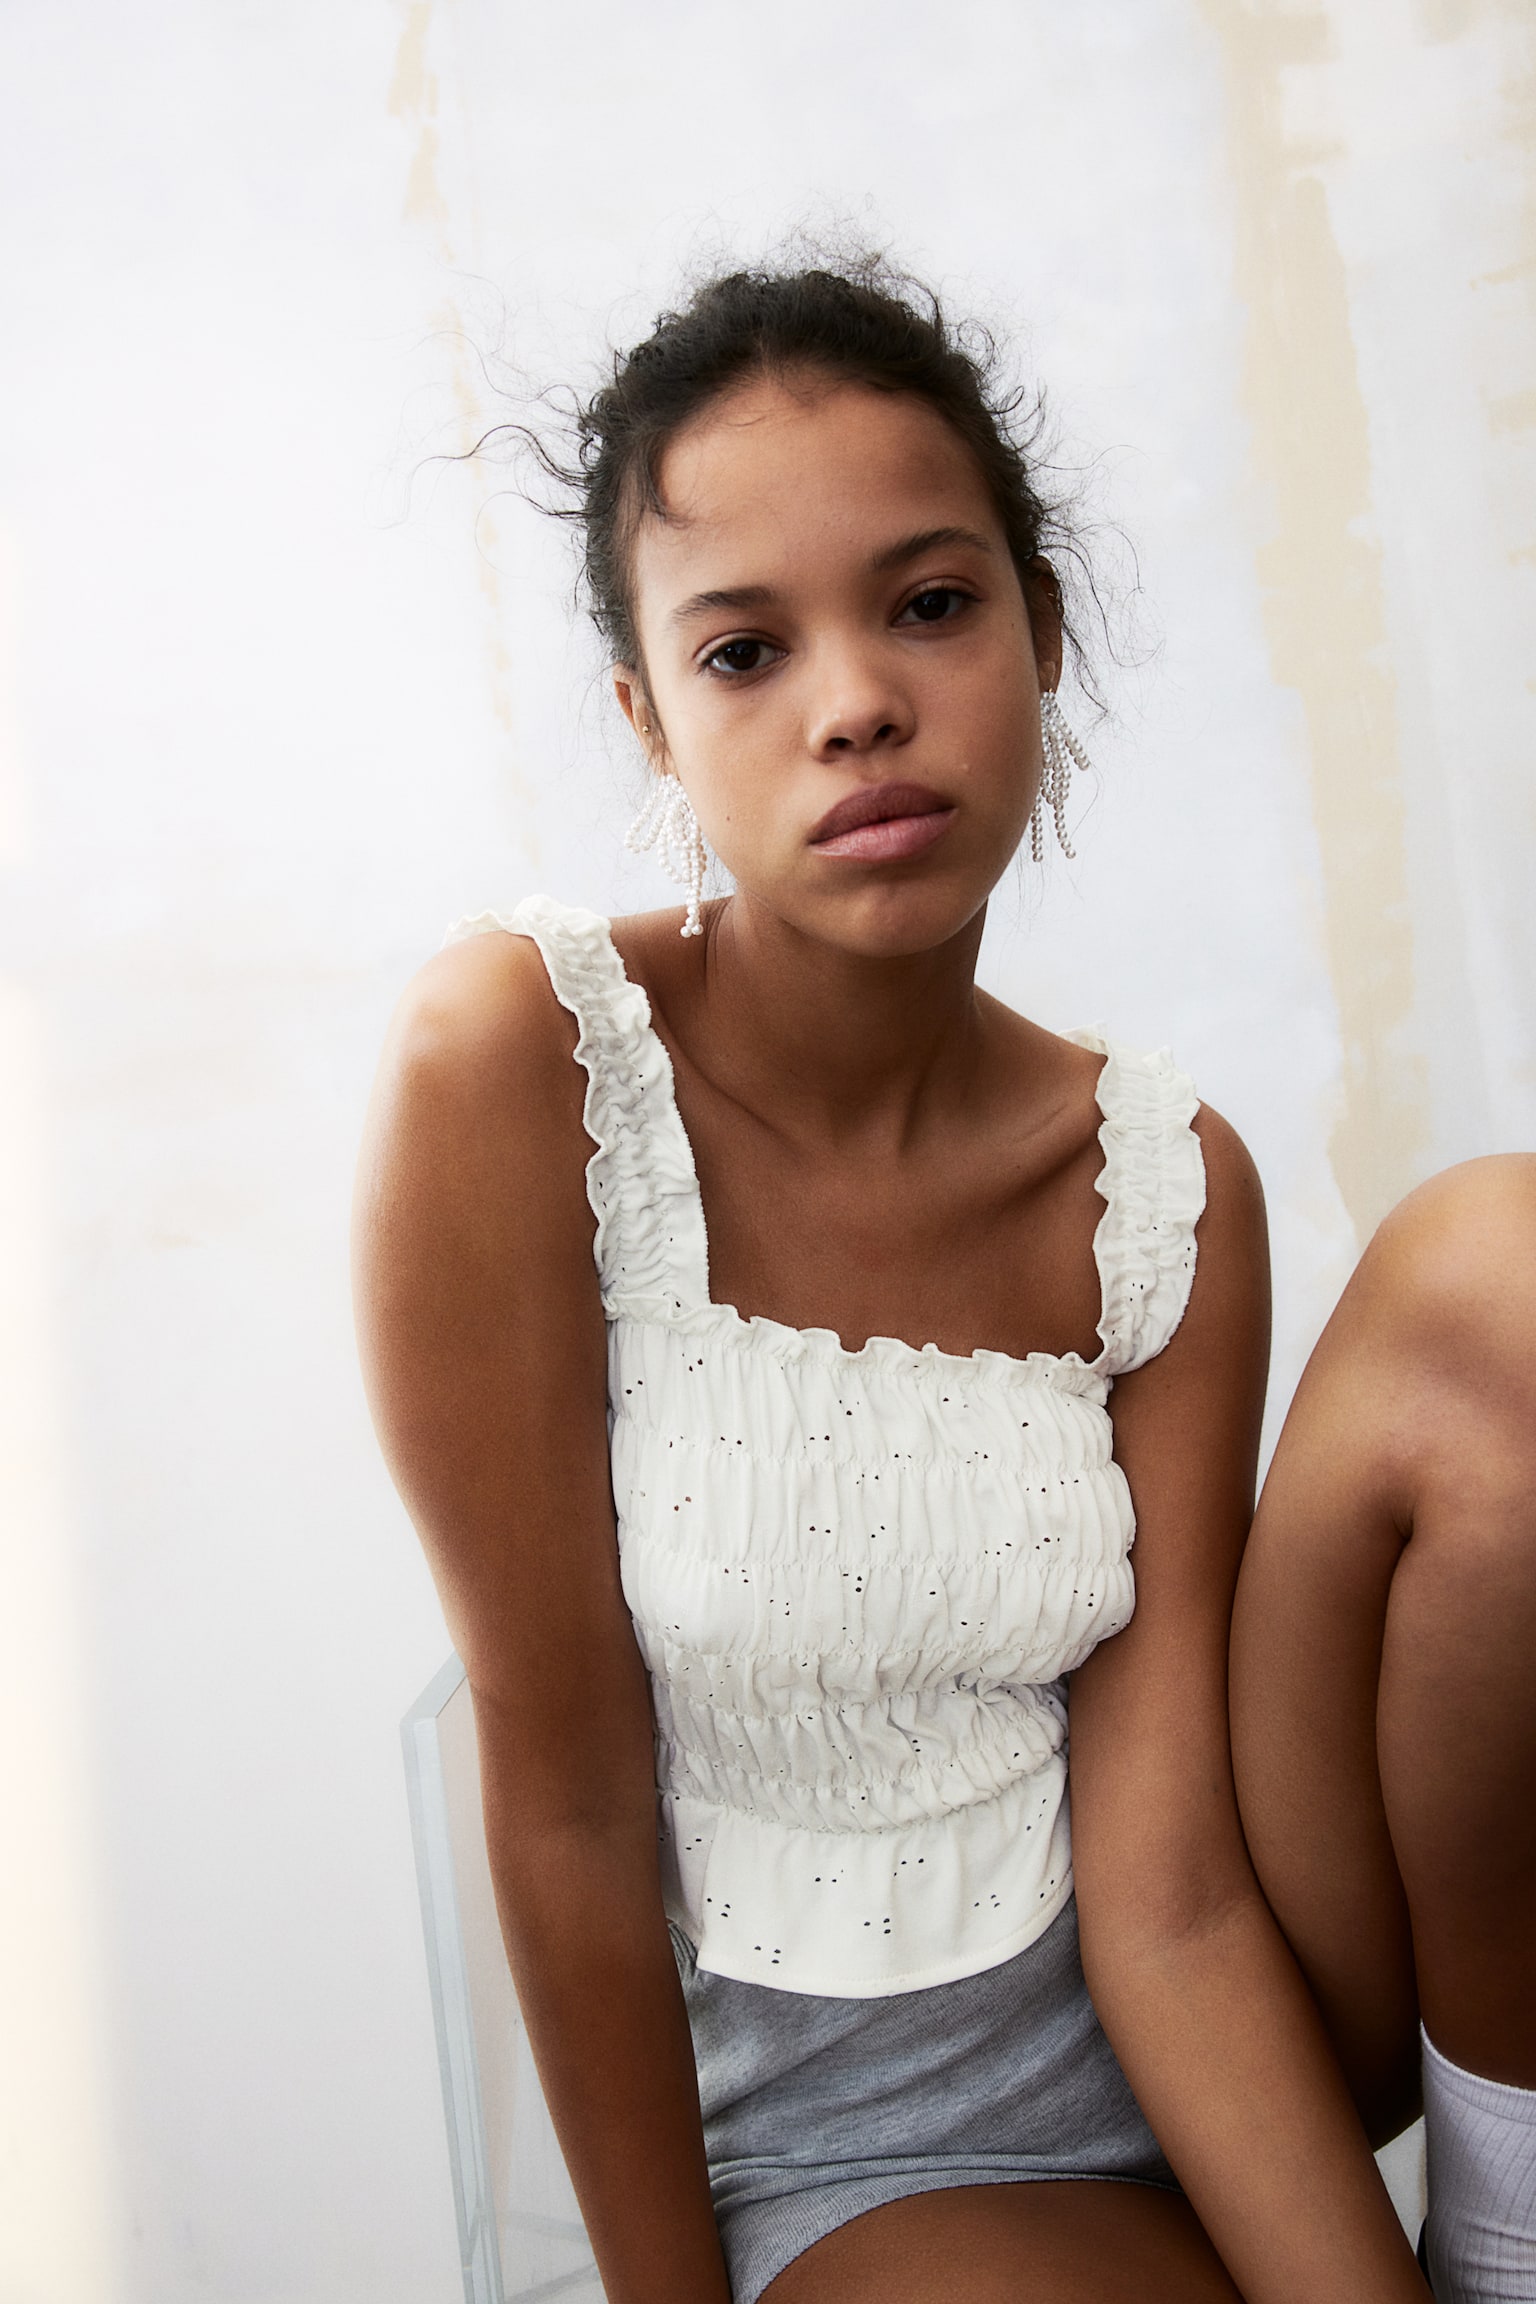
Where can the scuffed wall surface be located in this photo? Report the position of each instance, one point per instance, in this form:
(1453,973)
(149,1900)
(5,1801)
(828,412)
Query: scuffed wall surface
(288,698)
(1382,160)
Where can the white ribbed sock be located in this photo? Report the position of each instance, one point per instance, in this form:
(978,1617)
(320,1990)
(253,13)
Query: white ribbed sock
(1480,2154)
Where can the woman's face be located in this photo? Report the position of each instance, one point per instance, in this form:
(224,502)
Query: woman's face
(839,660)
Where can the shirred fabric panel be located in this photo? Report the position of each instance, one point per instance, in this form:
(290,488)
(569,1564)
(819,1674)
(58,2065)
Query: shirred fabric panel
(857,1595)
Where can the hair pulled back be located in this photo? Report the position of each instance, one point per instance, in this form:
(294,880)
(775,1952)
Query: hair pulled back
(858,321)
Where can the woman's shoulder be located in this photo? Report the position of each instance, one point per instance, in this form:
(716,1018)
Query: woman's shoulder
(1147,1093)
(1109,1080)
(483,1008)
(1175,1168)
(480,1055)
(1448,1275)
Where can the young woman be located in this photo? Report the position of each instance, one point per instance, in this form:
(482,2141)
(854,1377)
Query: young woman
(769,1332)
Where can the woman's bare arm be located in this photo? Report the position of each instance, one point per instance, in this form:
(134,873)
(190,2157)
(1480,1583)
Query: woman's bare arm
(484,1351)
(1192,1979)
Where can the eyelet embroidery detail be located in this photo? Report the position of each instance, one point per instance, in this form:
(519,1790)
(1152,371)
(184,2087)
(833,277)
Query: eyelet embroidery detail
(859,1579)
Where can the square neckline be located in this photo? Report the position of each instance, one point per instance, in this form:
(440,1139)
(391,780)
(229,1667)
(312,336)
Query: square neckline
(876,1348)
(651,1241)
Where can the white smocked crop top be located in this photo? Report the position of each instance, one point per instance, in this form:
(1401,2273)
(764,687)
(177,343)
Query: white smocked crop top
(857,1578)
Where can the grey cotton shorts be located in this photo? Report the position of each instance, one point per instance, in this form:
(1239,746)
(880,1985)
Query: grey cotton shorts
(817,2110)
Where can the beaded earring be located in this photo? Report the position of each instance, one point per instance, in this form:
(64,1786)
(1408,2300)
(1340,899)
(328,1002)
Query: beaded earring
(668,824)
(1062,753)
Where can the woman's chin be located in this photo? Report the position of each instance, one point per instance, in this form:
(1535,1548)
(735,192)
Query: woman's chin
(889,920)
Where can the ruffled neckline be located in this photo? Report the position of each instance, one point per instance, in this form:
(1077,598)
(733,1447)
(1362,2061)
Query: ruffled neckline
(787,1343)
(652,1245)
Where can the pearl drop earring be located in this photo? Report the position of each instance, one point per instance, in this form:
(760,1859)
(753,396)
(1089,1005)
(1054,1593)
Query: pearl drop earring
(668,824)
(1062,753)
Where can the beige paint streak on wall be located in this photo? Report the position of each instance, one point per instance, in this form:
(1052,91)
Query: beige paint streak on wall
(57,2192)
(473,419)
(1514,413)
(15,842)
(1497,155)
(414,99)
(1324,606)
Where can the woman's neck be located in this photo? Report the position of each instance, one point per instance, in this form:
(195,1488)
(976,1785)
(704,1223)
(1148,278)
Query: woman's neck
(840,1044)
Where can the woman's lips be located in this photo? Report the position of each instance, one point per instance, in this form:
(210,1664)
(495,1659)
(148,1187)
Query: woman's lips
(890,838)
(883,823)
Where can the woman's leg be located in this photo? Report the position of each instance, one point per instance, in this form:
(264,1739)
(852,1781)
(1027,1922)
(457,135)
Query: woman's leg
(1084,2242)
(1384,1695)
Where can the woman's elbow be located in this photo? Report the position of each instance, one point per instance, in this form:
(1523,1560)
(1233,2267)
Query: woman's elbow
(1153,1909)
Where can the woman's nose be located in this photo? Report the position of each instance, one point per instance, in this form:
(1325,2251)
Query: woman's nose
(855,707)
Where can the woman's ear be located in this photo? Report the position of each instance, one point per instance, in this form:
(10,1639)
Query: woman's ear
(631,695)
(638,710)
(1043,602)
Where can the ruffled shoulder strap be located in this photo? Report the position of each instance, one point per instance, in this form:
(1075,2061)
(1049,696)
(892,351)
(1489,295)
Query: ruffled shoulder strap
(1153,1188)
(641,1181)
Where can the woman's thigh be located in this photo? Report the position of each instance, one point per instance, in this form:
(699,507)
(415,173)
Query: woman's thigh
(1383,1707)
(1083,2242)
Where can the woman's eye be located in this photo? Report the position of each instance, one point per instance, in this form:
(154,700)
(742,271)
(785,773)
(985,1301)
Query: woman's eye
(936,605)
(739,656)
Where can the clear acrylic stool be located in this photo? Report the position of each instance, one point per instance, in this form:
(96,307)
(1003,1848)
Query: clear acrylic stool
(520,2231)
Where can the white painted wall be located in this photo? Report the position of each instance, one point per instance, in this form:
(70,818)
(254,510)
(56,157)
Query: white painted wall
(267,730)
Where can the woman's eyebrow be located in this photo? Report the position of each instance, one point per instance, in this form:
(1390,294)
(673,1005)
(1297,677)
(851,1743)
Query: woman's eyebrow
(734,596)
(926,540)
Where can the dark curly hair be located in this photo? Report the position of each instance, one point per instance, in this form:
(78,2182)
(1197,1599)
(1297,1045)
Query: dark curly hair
(856,319)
